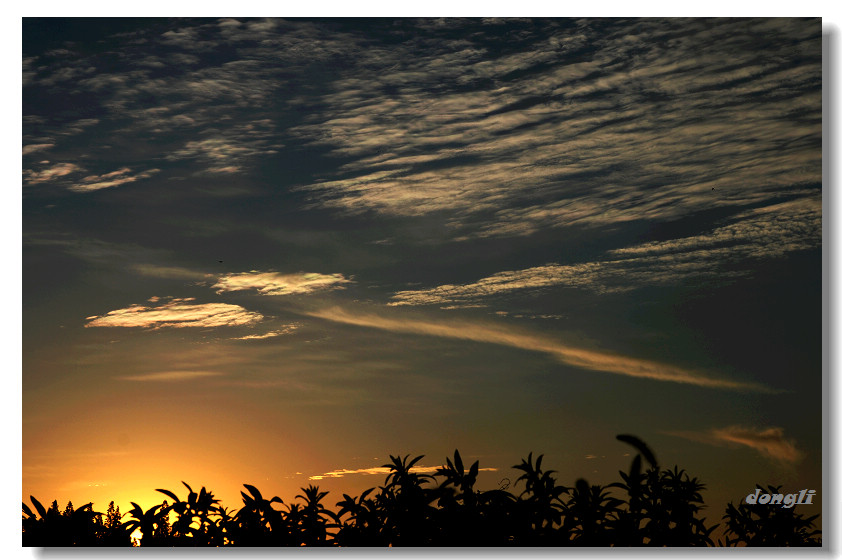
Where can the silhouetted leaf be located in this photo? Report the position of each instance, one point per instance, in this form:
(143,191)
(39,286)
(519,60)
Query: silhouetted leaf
(638,444)
(27,510)
(412,463)
(168,493)
(41,511)
(474,470)
(254,492)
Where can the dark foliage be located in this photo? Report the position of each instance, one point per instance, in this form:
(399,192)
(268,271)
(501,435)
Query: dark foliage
(652,507)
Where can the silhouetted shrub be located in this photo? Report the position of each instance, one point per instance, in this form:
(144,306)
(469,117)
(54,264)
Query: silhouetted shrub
(654,507)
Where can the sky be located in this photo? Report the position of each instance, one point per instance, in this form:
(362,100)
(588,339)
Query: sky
(276,251)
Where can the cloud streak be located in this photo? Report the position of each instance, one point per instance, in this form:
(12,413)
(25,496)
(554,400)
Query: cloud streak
(763,233)
(287,329)
(769,442)
(108,180)
(582,358)
(278,284)
(382,471)
(177,313)
(178,375)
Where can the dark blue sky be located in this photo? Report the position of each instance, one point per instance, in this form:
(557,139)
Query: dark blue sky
(304,244)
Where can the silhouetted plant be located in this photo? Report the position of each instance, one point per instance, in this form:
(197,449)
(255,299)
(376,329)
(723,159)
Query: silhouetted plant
(539,506)
(314,519)
(364,526)
(71,528)
(656,508)
(112,532)
(769,525)
(257,523)
(588,515)
(194,525)
(147,522)
(409,519)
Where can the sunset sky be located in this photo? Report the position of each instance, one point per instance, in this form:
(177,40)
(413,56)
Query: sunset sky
(275,252)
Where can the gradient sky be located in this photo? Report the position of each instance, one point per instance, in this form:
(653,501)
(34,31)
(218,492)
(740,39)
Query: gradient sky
(276,251)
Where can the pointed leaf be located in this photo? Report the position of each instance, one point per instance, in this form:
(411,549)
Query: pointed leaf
(41,511)
(254,492)
(638,444)
(474,470)
(168,493)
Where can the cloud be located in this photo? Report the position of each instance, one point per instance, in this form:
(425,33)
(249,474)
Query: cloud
(769,442)
(224,152)
(177,313)
(112,179)
(175,272)
(592,360)
(761,233)
(287,329)
(604,124)
(277,284)
(178,375)
(50,173)
(30,148)
(578,122)
(382,471)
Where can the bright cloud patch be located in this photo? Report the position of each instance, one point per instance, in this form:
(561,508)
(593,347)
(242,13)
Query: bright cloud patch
(170,376)
(177,313)
(49,173)
(769,442)
(383,471)
(107,180)
(277,284)
(30,148)
(288,329)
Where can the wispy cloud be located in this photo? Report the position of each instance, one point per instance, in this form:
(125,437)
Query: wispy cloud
(178,375)
(225,154)
(50,173)
(605,124)
(177,313)
(769,442)
(287,329)
(31,148)
(278,284)
(577,122)
(762,233)
(382,471)
(175,272)
(108,180)
(587,359)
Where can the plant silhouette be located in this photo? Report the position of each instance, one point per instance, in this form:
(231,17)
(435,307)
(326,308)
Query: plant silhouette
(646,507)
(768,525)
